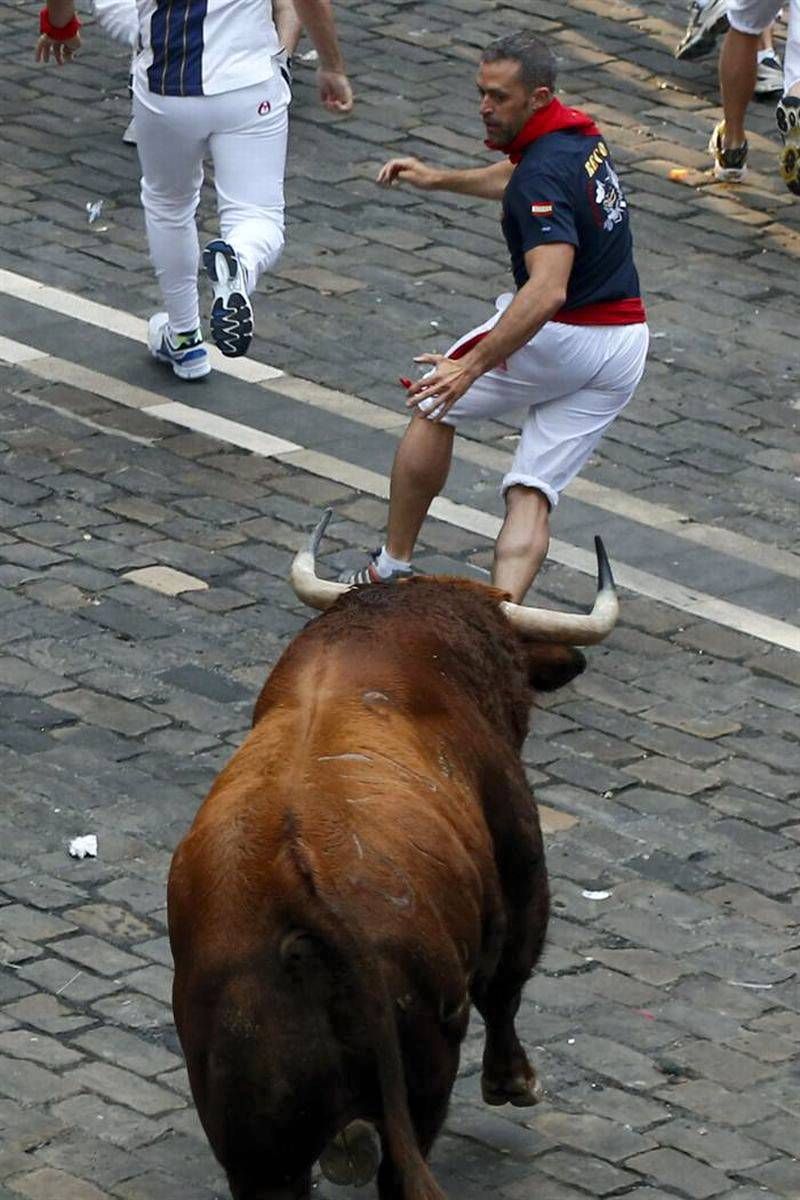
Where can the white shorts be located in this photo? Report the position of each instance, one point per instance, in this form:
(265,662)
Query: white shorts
(754,16)
(573,380)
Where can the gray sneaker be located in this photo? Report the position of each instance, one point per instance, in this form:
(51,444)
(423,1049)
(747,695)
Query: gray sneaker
(730,163)
(769,76)
(706,23)
(369,574)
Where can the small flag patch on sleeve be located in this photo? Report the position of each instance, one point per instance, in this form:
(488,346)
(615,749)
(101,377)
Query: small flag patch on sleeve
(542,208)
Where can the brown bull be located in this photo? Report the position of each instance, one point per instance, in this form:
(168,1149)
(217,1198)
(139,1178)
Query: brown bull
(368,864)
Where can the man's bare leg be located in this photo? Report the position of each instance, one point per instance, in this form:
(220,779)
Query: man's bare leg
(738,63)
(522,542)
(418,475)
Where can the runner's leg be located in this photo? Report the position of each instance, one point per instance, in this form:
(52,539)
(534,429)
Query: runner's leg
(249,152)
(422,461)
(419,473)
(791,55)
(558,437)
(171,144)
(522,543)
(738,62)
(787,113)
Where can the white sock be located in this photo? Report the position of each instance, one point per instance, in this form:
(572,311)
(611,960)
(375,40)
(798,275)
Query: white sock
(385,564)
(762,54)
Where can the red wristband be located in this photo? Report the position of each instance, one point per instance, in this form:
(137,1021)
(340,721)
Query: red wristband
(57,33)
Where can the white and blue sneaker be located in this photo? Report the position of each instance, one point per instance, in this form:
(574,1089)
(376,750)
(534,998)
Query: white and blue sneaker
(707,20)
(769,74)
(231,312)
(184,352)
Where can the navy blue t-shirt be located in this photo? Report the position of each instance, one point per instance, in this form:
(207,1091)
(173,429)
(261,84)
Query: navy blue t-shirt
(565,189)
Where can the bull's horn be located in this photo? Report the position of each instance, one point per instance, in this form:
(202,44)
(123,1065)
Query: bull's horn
(308,587)
(574,629)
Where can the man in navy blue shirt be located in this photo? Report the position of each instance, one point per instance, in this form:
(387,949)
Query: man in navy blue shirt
(568,347)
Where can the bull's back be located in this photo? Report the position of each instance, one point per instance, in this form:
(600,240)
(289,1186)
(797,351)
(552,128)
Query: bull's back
(386,808)
(351,819)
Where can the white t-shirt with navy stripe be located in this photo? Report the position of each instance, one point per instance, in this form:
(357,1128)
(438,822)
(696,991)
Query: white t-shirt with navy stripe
(203,47)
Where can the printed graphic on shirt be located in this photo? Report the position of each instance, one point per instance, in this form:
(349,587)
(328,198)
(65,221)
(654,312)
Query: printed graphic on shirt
(598,155)
(542,209)
(607,198)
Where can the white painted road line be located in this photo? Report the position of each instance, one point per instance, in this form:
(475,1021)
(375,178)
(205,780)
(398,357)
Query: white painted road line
(116,390)
(687,600)
(667,520)
(611,500)
(353,408)
(114,320)
(15,353)
(221,428)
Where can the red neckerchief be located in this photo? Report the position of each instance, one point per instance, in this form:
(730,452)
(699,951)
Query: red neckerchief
(554,116)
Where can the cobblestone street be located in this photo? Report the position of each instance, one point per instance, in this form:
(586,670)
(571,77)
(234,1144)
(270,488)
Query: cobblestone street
(144,596)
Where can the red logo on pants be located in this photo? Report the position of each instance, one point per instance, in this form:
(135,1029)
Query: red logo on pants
(264,107)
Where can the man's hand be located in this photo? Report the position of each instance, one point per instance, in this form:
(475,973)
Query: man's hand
(334,90)
(408,170)
(61,51)
(316,17)
(434,395)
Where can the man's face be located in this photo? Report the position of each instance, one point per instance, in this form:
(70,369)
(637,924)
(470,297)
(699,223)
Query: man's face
(506,103)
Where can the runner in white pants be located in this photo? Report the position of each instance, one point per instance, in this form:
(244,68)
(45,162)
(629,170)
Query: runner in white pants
(245,133)
(210,79)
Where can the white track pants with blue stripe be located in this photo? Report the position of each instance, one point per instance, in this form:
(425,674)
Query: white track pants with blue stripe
(244,132)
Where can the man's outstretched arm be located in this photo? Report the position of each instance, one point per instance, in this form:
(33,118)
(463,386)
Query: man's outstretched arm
(488,183)
(549,268)
(316,17)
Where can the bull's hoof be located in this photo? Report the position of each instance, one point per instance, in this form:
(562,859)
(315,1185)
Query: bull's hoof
(519,1091)
(353,1157)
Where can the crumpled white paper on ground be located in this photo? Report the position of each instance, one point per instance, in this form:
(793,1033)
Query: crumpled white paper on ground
(84,847)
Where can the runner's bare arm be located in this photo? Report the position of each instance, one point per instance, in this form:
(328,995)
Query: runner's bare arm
(316,17)
(488,183)
(287,23)
(535,303)
(549,269)
(60,13)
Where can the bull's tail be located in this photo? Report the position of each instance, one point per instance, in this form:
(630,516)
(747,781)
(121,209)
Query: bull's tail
(374,1007)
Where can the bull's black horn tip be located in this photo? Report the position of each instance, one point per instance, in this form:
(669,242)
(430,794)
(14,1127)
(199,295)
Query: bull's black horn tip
(605,577)
(318,532)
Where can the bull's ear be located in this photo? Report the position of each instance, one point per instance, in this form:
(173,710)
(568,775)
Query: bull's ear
(550,667)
